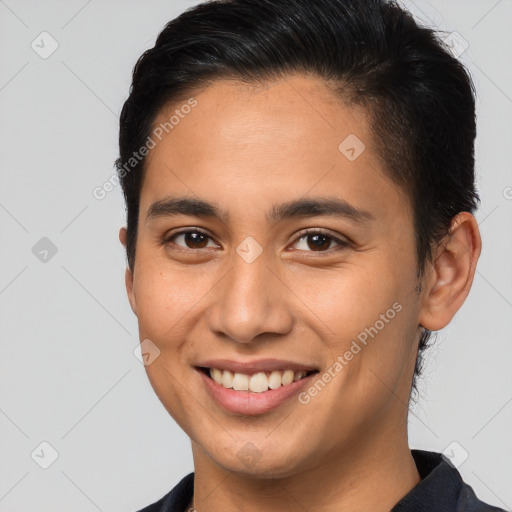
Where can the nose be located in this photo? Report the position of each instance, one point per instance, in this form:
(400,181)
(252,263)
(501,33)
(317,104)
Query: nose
(249,301)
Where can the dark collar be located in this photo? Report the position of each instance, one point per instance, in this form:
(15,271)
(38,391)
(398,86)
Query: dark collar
(441,488)
(440,484)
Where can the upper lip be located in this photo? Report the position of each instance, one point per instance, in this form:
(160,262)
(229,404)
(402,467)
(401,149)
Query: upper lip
(255,366)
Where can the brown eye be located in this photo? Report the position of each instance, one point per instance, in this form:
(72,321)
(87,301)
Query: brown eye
(191,239)
(318,241)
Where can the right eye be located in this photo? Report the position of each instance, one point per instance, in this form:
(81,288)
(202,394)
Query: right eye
(191,238)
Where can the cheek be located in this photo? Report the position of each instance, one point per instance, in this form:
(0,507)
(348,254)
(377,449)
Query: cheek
(165,303)
(367,313)
(350,298)
(165,298)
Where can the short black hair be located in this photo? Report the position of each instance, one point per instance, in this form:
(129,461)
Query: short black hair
(372,53)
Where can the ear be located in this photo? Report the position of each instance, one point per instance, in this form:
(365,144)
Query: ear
(450,277)
(128,275)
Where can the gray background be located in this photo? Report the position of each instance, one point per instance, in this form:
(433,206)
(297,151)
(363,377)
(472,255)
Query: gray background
(68,375)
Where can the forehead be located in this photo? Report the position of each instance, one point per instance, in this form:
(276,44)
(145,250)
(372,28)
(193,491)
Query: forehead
(256,144)
(296,114)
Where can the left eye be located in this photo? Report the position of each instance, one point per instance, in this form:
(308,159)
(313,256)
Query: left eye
(318,241)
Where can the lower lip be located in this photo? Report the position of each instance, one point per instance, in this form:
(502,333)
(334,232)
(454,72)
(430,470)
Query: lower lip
(248,402)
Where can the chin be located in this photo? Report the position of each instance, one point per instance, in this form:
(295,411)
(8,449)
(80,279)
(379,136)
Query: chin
(256,455)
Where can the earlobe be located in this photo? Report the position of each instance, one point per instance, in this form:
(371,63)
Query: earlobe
(452,273)
(122,236)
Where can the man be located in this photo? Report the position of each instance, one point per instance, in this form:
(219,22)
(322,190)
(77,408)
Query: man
(299,182)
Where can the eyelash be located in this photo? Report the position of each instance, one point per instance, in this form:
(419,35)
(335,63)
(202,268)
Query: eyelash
(312,231)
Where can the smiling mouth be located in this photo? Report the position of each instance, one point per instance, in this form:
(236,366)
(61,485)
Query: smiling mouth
(258,382)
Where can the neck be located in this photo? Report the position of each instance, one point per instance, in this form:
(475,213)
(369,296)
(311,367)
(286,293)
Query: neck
(370,477)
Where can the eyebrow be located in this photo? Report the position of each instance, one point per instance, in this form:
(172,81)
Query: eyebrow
(300,208)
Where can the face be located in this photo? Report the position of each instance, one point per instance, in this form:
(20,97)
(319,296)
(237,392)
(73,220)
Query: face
(296,262)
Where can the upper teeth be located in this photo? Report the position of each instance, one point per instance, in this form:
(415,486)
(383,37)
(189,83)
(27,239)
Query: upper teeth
(257,382)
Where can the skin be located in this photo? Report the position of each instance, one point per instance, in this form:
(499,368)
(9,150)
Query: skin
(247,148)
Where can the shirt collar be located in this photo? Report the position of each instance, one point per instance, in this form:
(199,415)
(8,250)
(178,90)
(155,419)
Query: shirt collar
(440,483)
